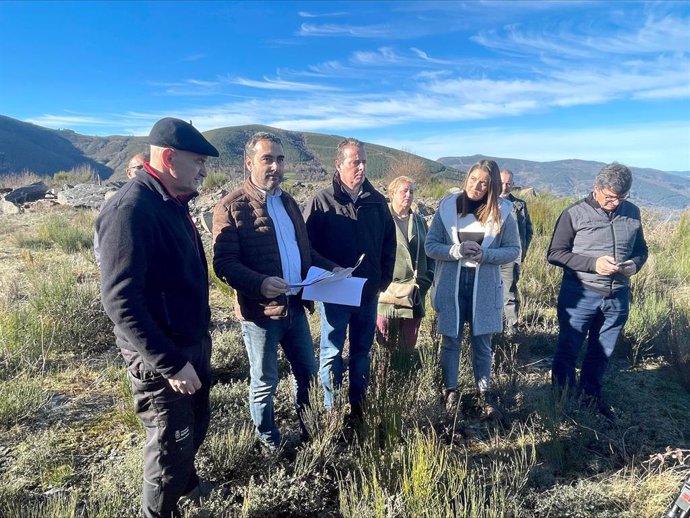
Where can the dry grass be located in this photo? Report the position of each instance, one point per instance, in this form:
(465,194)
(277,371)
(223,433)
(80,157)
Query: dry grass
(70,444)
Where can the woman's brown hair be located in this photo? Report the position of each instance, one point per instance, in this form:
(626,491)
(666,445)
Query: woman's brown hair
(489,205)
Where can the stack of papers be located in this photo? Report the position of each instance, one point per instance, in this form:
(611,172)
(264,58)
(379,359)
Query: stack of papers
(334,287)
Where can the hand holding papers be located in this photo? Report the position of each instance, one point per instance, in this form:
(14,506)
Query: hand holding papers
(334,287)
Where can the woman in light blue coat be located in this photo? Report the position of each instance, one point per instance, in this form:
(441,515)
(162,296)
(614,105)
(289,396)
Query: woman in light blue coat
(472,234)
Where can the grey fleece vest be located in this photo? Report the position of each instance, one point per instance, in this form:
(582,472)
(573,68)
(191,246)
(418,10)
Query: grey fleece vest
(597,234)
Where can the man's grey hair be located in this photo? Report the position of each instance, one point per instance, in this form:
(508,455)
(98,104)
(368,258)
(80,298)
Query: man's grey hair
(249,150)
(507,171)
(340,151)
(615,177)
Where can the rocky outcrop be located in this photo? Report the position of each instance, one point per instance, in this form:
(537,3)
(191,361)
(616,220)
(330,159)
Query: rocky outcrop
(85,195)
(28,193)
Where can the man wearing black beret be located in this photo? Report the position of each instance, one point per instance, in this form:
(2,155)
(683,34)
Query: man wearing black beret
(154,287)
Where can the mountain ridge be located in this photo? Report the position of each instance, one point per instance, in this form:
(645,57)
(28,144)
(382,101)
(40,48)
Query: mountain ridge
(26,146)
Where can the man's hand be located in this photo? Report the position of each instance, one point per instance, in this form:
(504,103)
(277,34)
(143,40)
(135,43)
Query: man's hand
(628,269)
(185,381)
(273,286)
(606,265)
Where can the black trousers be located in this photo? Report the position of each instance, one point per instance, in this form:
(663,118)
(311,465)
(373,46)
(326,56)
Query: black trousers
(176,426)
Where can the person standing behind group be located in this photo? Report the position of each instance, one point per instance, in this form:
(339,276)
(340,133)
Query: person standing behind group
(136,163)
(261,248)
(599,243)
(397,325)
(471,235)
(154,287)
(510,272)
(345,221)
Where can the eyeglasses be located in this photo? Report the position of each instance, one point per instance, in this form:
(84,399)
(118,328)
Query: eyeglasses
(608,198)
(138,166)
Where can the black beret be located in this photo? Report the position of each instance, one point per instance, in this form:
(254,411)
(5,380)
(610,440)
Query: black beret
(178,134)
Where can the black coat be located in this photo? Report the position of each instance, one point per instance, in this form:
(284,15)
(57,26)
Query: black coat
(342,230)
(154,277)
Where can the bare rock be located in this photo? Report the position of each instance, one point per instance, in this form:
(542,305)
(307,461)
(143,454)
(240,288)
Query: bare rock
(85,195)
(32,192)
(7,207)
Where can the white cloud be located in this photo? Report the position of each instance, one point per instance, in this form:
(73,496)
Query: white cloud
(193,57)
(356,31)
(68,121)
(306,14)
(277,84)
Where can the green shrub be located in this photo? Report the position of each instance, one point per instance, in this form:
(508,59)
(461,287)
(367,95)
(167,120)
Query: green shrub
(70,234)
(25,504)
(44,459)
(70,306)
(214,180)
(19,398)
(116,488)
(80,174)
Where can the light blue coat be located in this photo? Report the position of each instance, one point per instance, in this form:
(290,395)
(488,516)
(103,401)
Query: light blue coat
(500,246)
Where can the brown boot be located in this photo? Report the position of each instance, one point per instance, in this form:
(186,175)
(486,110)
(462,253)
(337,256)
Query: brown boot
(489,407)
(451,401)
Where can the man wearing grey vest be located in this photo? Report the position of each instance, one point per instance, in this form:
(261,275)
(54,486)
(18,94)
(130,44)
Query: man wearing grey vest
(599,243)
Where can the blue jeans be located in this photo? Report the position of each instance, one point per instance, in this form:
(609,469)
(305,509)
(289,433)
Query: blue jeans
(335,319)
(582,311)
(481,344)
(261,338)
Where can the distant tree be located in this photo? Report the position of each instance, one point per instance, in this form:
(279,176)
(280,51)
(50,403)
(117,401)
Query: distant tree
(409,165)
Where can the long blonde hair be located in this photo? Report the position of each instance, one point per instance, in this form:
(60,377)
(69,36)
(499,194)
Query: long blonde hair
(489,208)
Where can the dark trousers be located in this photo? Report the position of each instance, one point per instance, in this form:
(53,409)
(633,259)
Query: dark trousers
(510,274)
(584,312)
(176,426)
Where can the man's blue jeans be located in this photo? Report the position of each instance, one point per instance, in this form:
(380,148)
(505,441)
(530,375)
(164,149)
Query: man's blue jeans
(582,311)
(335,319)
(261,338)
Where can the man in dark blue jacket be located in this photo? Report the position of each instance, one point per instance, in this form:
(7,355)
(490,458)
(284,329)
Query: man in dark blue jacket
(154,287)
(344,221)
(599,243)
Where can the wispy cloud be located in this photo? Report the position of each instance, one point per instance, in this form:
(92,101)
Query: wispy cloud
(306,14)
(355,31)
(67,121)
(278,84)
(193,57)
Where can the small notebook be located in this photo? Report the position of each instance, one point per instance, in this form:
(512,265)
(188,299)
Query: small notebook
(477,237)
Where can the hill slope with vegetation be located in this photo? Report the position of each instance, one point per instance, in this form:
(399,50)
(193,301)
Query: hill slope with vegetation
(28,147)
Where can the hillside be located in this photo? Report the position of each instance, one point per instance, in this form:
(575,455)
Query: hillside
(25,146)
(651,187)
(44,151)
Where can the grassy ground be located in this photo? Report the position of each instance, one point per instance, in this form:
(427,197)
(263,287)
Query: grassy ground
(70,444)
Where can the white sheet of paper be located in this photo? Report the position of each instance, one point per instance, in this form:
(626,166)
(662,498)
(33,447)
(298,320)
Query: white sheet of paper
(346,291)
(313,275)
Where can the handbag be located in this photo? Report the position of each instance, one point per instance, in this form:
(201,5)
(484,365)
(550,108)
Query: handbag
(403,294)
(400,294)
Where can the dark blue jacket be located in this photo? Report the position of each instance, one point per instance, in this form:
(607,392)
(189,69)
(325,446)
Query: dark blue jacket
(341,231)
(154,277)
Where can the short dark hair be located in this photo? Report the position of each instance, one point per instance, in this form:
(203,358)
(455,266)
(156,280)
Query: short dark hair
(340,150)
(616,177)
(256,137)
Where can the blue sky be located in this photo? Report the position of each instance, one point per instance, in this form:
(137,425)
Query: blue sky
(533,80)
